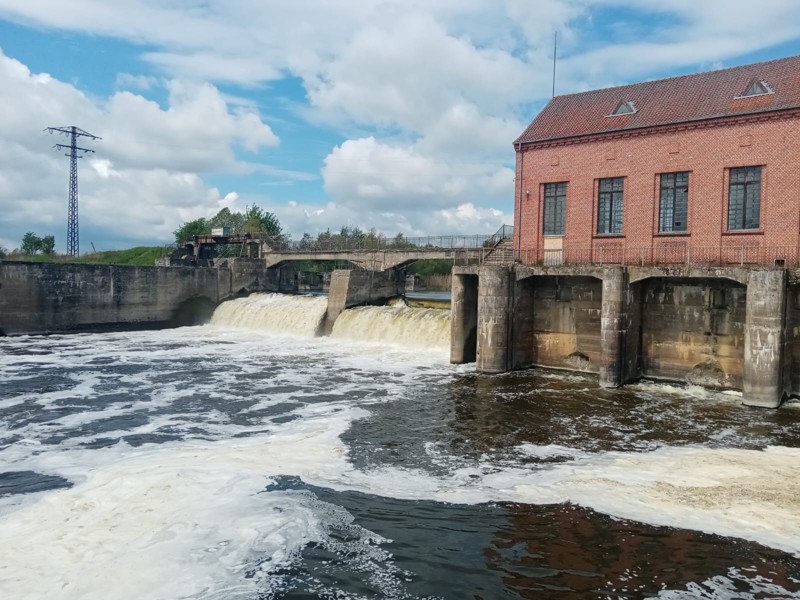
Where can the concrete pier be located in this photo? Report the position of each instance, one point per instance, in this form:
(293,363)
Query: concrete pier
(463,318)
(764,339)
(613,327)
(721,327)
(353,288)
(495,314)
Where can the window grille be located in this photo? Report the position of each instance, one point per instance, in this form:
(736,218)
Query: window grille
(555,208)
(673,202)
(744,198)
(609,205)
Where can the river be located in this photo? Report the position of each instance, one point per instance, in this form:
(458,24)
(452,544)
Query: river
(248,459)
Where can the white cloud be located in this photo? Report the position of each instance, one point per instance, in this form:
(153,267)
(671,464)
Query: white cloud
(298,218)
(197,132)
(426,97)
(368,174)
(410,73)
(143,83)
(146,176)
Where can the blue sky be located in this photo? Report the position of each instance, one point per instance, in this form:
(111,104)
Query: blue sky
(392,114)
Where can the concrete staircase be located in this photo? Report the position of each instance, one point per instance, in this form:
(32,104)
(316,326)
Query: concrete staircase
(502,254)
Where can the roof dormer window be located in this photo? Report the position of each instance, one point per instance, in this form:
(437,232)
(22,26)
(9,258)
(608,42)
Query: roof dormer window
(625,107)
(756,88)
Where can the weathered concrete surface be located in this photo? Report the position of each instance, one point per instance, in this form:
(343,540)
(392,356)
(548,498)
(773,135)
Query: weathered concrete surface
(51,298)
(353,288)
(495,313)
(693,330)
(613,327)
(793,336)
(764,339)
(715,327)
(737,274)
(557,322)
(463,319)
(377,260)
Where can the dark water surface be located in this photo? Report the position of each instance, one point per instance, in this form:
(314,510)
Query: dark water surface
(215,463)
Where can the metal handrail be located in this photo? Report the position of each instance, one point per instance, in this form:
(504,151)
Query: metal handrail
(416,244)
(666,255)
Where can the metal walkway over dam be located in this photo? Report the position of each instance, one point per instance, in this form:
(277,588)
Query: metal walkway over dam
(368,254)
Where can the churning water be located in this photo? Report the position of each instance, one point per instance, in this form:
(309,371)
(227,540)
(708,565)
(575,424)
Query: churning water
(248,459)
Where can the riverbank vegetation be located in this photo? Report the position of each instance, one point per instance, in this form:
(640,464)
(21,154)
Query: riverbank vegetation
(138,256)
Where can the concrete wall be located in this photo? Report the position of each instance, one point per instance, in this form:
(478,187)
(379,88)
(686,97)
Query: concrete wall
(52,298)
(557,322)
(693,329)
(353,288)
(463,318)
(722,328)
(793,333)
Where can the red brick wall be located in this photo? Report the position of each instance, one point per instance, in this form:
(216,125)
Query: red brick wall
(706,153)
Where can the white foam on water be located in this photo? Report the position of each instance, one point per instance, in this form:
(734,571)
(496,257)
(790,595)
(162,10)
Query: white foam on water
(695,392)
(168,521)
(729,587)
(550,451)
(187,519)
(301,315)
(748,494)
(426,327)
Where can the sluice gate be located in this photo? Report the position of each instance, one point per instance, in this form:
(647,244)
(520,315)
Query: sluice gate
(726,328)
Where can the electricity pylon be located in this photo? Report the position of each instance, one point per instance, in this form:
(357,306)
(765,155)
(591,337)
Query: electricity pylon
(72,214)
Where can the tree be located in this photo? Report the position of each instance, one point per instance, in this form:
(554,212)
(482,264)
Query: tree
(3,252)
(400,242)
(47,244)
(306,243)
(254,220)
(31,243)
(225,218)
(188,230)
(258,220)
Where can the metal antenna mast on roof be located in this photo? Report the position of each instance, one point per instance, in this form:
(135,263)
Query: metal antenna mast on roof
(555,51)
(72,215)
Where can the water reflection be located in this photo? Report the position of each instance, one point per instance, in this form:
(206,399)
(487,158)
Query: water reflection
(495,414)
(570,552)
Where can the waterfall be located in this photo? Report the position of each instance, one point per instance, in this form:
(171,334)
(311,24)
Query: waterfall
(427,327)
(300,315)
(304,315)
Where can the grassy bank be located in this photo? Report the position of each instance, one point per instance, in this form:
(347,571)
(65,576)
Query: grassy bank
(139,256)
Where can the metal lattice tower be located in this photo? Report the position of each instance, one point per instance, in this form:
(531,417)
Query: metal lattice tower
(72,216)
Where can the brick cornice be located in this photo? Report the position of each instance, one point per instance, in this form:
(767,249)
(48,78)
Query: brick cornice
(757,117)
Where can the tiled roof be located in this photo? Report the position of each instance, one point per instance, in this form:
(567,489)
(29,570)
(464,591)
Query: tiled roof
(669,101)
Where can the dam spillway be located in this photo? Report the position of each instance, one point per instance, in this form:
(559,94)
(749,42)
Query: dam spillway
(300,315)
(304,316)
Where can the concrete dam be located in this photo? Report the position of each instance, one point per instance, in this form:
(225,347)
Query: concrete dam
(726,328)
(43,298)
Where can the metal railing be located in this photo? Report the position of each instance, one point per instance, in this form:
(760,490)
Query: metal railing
(337,243)
(679,255)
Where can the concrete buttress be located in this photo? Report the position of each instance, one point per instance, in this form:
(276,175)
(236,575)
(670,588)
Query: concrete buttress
(613,327)
(495,315)
(764,339)
(464,318)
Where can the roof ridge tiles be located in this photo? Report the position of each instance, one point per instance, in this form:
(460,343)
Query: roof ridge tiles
(683,76)
(685,98)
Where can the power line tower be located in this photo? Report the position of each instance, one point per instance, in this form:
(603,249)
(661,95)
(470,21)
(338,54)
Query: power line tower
(72,216)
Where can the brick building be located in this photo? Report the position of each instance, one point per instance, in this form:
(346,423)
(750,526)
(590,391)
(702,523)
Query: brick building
(700,169)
